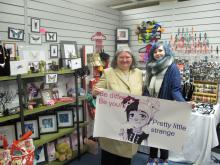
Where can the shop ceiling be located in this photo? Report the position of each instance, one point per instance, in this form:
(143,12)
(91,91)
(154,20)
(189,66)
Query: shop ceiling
(128,4)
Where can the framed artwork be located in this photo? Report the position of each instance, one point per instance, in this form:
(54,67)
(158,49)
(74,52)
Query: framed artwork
(51,78)
(30,125)
(65,118)
(51,36)
(39,155)
(12,49)
(48,124)
(81,114)
(69,49)
(9,132)
(46,95)
(53,51)
(121,46)
(18,67)
(16,34)
(122,34)
(51,151)
(34,66)
(35,39)
(75,63)
(35,25)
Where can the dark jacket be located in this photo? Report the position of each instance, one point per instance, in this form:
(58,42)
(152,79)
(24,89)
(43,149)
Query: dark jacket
(171,85)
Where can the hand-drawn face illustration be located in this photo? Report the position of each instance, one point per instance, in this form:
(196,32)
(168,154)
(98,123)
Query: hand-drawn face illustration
(138,115)
(138,119)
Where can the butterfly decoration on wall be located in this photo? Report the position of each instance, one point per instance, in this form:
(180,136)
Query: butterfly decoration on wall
(51,78)
(35,39)
(51,36)
(17,34)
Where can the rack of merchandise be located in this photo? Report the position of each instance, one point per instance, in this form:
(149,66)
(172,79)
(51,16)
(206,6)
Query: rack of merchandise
(205,92)
(25,113)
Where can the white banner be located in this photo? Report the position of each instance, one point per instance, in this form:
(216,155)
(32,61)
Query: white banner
(143,120)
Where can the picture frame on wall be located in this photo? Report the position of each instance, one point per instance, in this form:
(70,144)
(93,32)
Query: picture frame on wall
(11,46)
(46,95)
(69,49)
(29,125)
(75,63)
(121,46)
(16,34)
(39,155)
(18,67)
(51,151)
(9,132)
(51,78)
(35,25)
(122,34)
(51,36)
(48,124)
(65,118)
(35,39)
(53,51)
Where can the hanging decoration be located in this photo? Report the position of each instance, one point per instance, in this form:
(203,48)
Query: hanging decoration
(148,32)
(189,42)
(98,37)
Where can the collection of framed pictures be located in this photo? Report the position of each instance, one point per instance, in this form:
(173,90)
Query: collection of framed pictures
(69,55)
(43,124)
(122,38)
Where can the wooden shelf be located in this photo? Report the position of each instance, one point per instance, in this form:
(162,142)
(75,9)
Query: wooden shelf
(60,72)
(37,110)
(53,136)
(204,94)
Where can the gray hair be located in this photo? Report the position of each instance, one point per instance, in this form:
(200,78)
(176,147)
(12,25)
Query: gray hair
(118,52)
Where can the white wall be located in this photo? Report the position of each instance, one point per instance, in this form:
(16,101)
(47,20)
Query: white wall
(72,20)
(203,16)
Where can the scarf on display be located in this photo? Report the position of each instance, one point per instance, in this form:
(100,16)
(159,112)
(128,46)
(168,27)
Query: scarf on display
(155,73)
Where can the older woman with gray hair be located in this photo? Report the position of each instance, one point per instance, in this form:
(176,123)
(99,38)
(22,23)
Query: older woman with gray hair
(123,76)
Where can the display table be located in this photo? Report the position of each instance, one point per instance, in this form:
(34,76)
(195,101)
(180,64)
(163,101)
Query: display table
(201,138)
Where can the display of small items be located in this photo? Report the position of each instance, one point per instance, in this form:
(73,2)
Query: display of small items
(205,92)
(205,71)
(184,69)
(203,108)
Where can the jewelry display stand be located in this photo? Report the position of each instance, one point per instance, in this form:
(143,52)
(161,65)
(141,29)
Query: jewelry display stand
(205,92)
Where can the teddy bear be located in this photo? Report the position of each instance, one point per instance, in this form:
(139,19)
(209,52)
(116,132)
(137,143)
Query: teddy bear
(63,152)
